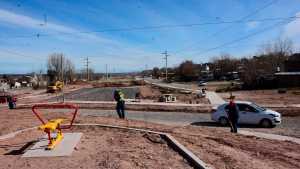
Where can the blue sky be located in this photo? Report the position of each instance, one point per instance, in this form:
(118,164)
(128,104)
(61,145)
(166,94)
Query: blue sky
(22,51)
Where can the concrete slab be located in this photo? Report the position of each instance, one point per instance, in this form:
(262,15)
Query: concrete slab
(270,136)
(64,148)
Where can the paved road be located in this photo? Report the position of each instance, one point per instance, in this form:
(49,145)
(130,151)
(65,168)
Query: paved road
(270,136)
(214,98)
(171,118)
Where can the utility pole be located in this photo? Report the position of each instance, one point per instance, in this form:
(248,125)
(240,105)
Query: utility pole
(61,68)
(62,77)
(166,58)
(145,72)
(87,68)
(106,71)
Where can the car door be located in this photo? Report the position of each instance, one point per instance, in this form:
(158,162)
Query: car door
(248,114)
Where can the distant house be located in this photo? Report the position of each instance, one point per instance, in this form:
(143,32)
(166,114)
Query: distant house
(293,63)
(290,77)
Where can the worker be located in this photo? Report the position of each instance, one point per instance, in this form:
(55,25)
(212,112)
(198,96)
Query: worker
(119,97)
(11,102)
(233,114)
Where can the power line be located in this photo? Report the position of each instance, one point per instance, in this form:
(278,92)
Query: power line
(20,54)
(39,35)
(239,20)
(244,37)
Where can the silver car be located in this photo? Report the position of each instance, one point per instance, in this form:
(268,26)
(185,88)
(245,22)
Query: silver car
(249,113)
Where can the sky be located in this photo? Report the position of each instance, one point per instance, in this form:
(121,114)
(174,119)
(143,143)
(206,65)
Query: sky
(130,35)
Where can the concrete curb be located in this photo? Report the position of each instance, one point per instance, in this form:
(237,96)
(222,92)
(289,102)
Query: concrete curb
(13,134)
(188,155)
(191,108)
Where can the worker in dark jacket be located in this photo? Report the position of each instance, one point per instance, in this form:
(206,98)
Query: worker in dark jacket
(119,98)
(233,114)
(11,102)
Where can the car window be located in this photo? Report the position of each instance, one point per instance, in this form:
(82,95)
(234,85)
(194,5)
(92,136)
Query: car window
(246,108)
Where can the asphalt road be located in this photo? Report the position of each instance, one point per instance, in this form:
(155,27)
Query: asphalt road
(290,125)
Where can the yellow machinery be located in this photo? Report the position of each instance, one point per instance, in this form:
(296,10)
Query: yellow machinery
(54,87)
(52,126)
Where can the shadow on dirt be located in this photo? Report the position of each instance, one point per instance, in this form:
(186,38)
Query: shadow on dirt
(21,150)
(215,124)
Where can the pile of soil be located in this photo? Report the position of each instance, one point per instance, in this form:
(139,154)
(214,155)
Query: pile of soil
(98,148)
(119,83)
(148,92)
(154,93)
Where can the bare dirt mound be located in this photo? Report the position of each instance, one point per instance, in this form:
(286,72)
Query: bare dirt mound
(98,148)
(121,83)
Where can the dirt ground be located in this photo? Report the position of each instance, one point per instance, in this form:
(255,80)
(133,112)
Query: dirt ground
(266,96)
(98,148)
(215,146)
(153,93)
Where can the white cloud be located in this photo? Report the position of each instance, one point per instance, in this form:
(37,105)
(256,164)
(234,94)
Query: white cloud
(252,24)
(29,22)
(293,28)
(125,55)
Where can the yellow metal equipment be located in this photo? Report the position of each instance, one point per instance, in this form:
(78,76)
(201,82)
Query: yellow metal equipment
(54,87)
(52,126)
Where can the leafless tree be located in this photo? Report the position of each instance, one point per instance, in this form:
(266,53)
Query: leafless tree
(223,64)
(155,73)
(90,73)
(62,68)
(187,71)
(275,53)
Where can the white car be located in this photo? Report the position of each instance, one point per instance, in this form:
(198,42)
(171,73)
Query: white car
(249,113)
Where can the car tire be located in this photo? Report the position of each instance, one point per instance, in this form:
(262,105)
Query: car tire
(266,123)
(223,121)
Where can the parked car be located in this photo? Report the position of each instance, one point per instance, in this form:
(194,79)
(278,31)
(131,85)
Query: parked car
(249,113)
(202,83)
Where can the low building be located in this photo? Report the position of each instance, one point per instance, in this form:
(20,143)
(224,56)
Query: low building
(290,77)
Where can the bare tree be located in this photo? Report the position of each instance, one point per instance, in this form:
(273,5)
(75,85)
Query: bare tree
(84,73)
(155,73)
(275,53)
(187,71)
(223,64)
(62,68)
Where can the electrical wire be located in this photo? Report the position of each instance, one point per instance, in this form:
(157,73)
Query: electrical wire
(39,35)
(245,37)
(229,27)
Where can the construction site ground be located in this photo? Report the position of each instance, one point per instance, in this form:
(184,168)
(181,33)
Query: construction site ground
(214,145)
(266,97)
(98,148)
